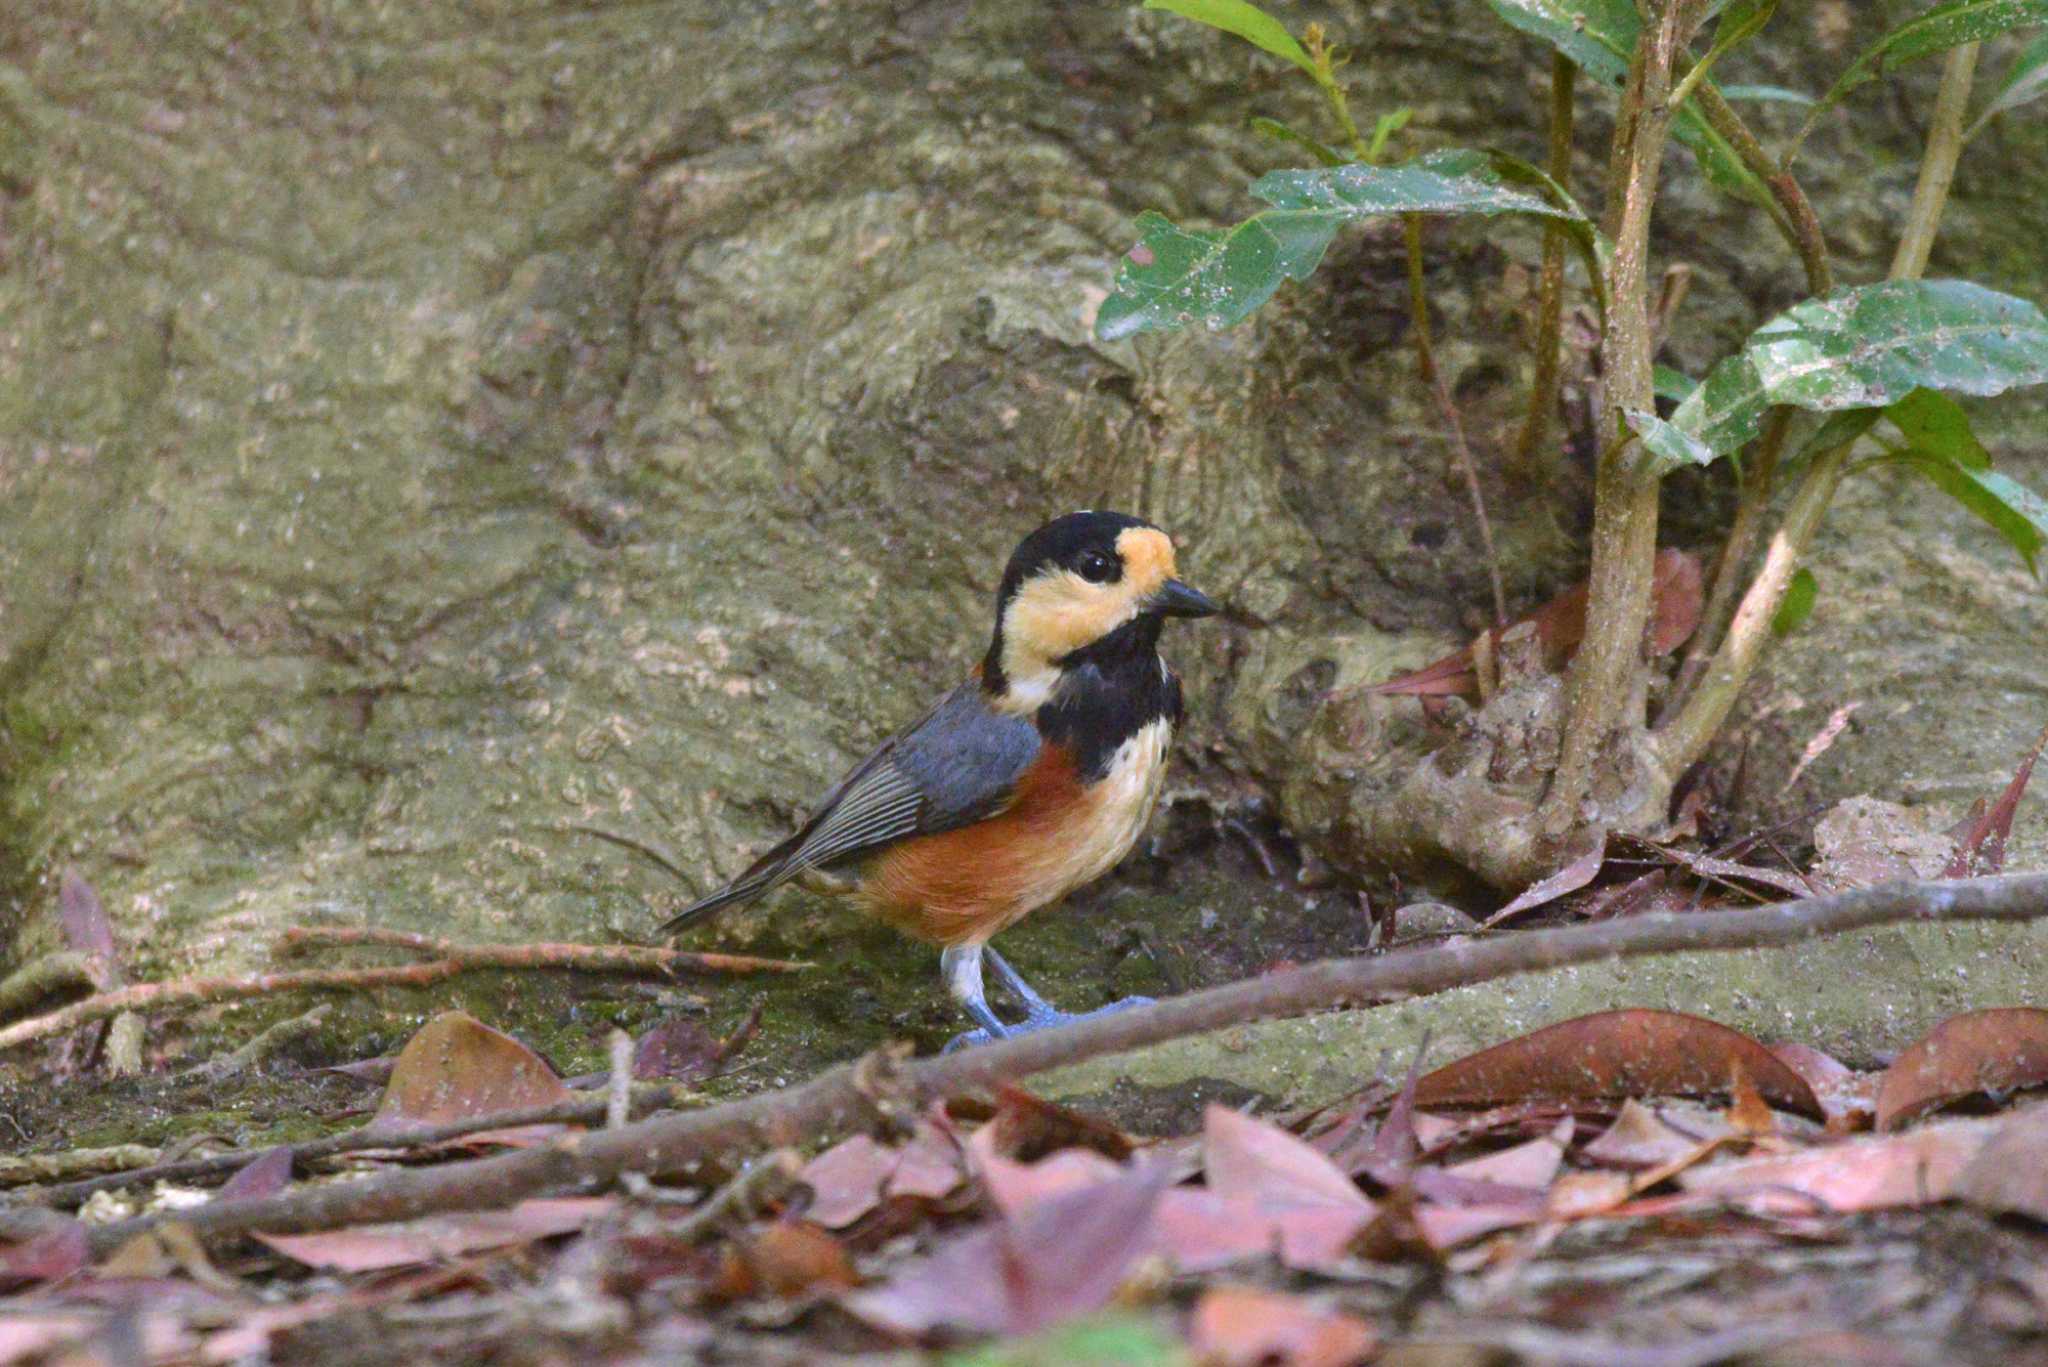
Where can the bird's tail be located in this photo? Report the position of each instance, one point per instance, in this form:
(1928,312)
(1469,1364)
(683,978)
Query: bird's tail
(733,894)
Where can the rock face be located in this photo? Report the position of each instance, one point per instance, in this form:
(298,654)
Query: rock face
(424,429)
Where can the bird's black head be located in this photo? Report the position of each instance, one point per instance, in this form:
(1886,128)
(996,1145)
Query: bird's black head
(1076,583)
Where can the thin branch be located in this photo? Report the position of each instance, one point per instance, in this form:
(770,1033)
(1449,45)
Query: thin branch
(1759,477)
(54,974)
(851,1094)
(1795,216)
(1937,165)
(588,1109)
(650,959)
(1700,718)
(1543,386)
(186,993)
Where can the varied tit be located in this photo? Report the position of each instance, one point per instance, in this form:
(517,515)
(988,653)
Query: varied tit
(1034,776)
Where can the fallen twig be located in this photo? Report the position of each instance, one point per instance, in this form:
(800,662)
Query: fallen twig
(840,1098)
(261,1047)
(189,992)
(576,958)
(587,1109)
(19,1169)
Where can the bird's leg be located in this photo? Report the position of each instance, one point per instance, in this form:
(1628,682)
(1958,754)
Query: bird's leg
(1034,1005)
(961,965)
(1040,1014)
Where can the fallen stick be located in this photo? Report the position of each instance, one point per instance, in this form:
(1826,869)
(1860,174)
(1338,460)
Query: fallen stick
(846,1095)
(190,992)
(580,958)
(582,1110)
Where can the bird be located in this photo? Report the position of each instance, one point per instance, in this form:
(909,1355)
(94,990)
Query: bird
(1032,777)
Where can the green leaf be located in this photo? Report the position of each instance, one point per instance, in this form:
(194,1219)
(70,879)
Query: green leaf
(1280,132)
(1765,94)
(1670,384)
(2011,509)
(1740,22)
(2026,80)
(1177,276)
(1865,348)
(1389,124)
(1247,21)
(1669,448)
(1600,36)
(1797,604)
(1934,31)
(1936,423)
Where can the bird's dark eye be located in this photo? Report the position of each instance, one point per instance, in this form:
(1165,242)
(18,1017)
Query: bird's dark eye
(1098,568)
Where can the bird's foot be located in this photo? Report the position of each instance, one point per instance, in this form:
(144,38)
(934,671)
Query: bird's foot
(1043,1017)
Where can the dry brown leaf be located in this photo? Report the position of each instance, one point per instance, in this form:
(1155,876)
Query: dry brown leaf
(1250,1159)
(458,1068)
(1629,1053)
(1869,1173)
(1848,1097)
(366,1248)
(2007,1175)
(1862,841)
(1532,1165)
(846,1180)
(1241,1326)
(786,1259)
(1027,1128)
(1062,1257)
(1638,1138)
(1979,1051)
(1561,625)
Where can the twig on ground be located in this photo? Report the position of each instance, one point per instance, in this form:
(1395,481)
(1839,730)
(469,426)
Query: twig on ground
(19,1169)
(652,959)
(586,1109)
(185,993)
(839,1098)
(768,1178)
(619,1093)
(261,1047)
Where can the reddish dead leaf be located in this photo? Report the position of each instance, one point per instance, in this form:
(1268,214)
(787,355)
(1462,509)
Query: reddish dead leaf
(1979,1051)
(1246,1158)
(86,927)
(1027,1128)
(457,1068)
(366,1248)
(846,1180)
(48,1257)
(1014,1187)
(1747,1113)
(1570,878)
(786,1259)
(1561,625)
(929,1166)
(2007,1175)
(1629,1053)
(675,1047)
(1531,1165)
(1241,1326)
(269,1173)
(1981,849)
(1848,1097)
(1871,1173)
(1060,1258)
(1199,1231)
(1637,1139)
(1582,1195)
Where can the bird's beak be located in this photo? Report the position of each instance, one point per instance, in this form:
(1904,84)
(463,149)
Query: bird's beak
(1175,599)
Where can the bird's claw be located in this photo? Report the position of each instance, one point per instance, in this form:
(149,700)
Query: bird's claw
(1046,1019)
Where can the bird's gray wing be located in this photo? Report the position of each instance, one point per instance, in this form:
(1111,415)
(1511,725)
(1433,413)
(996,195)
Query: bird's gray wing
(956,765)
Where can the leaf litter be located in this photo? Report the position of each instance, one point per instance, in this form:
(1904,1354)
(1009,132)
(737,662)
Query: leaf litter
(1636,1166)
